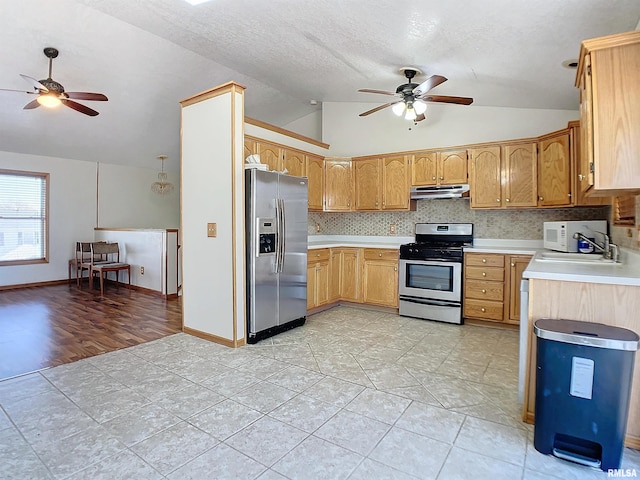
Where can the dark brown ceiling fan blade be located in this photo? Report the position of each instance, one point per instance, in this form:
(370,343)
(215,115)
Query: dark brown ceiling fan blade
(37,86)
(374,110)
(31,104)
(420,117)
(86,96)
(431,82)
(446,99)
(381,92)
(80,108)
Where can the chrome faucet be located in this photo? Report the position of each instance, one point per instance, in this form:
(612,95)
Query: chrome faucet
(608,249)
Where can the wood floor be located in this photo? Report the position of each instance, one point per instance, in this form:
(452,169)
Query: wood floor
(47,326)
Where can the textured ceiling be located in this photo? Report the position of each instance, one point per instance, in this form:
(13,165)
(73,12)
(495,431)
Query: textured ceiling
(146,55)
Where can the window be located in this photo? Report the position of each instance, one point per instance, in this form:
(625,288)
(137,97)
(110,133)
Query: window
(24,220)
(624,210)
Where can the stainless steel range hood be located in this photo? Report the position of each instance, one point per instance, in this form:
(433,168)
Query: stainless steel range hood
(439,191)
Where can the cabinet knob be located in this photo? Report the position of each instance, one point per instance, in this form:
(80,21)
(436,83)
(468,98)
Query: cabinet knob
(317,254)
(441,178)
(383,203)
(541,199)
(484,274)
(507,200)
(484,291)
(513,264)
(433,178)
(379,254)
(483,309)
(348,204)
(498,200)
(484,260)
(580,177)
(376,203)
(395,269)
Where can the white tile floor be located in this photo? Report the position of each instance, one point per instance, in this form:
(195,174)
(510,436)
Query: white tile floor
(354,394)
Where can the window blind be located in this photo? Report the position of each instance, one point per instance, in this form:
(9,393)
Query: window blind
(625,210)
(23,217)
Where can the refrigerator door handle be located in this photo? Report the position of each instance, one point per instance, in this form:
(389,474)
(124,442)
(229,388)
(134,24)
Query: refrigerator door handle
(283,239)
(278,236)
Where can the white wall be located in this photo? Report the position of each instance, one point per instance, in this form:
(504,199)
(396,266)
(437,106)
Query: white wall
(446,125)
(125,198)
(310,125)
(72,213)
(125,201)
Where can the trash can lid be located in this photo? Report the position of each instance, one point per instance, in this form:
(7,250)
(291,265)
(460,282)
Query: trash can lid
(586,333)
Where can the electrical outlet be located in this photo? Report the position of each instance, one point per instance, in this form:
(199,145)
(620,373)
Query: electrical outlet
(141,270)
(212,229)
(393,229)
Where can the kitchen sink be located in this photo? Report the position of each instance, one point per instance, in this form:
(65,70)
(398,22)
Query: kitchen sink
(586,258)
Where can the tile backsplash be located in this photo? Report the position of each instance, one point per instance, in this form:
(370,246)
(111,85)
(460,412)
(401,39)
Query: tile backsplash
(503,224)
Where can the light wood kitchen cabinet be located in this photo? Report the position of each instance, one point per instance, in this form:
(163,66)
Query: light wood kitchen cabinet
(395,183)
(318,277)
(446,167)
(380,277)
(271,155)
(608,69)
(345,274)
(250,147)
(315,175)
(485,174)
(554,173)
(492,286)
(295,162)
(580,171)
(520,175)
(517,264)
(338,184)
(484,286)
(382,183)
(367,179)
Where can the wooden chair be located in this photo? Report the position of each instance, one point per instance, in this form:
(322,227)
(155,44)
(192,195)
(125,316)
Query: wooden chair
(81,261)
(108,255)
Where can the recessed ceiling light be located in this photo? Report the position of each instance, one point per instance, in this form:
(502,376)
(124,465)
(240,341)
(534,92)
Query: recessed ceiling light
(570,63)
(196,2)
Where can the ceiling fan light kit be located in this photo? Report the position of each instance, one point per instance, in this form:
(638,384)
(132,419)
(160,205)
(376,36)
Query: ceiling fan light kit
(51,94)
(413,96)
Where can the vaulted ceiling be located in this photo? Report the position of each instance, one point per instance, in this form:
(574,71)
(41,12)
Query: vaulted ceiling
(147,55)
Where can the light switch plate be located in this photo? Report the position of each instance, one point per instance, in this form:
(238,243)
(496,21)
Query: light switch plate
(212,229)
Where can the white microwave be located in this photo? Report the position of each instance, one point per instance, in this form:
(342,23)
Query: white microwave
(559,235)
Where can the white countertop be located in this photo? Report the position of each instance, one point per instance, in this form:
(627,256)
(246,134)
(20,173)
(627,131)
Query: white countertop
(363,241)
(627,272)
(513,247)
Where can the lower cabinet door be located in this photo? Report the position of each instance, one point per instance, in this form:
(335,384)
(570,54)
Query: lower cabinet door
(380,283)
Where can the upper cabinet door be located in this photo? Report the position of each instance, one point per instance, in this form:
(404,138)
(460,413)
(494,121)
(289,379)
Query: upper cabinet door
(554,180)
(315,173)
(485,177)
(395,182)
(294,162)
(250,147)
(520,175)
(424,169)
(338,185)
(270,155)
(452,167)
(366,174)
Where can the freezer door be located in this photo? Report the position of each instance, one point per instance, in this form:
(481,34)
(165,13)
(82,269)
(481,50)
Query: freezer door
(262,278)
(293,276)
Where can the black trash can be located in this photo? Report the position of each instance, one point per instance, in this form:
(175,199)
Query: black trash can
(583,383)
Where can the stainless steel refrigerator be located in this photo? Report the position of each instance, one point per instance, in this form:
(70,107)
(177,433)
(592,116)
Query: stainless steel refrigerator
(276,227)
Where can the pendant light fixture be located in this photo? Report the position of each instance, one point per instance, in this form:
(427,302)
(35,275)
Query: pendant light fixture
(162,186)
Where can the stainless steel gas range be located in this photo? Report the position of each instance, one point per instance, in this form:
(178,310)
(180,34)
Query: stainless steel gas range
(430,283)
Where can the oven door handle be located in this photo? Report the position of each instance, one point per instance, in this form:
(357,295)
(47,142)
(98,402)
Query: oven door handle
(441,303)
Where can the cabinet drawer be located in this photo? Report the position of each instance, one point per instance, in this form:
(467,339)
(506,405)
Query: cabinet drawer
(484,273)
(380,254)
(484,290)
(318,255)
(482,309)
(484,259)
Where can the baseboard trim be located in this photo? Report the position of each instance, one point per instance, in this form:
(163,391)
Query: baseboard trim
(35,284)
(156,293)
(214,338)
